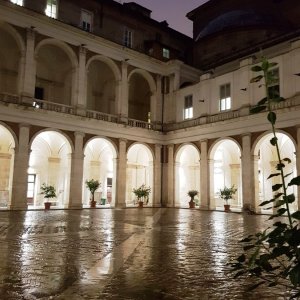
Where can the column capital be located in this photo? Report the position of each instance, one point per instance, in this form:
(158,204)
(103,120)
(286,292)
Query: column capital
(24,125)
(79,134)
(30,31)
(170,146)
(123,140)
(82,49)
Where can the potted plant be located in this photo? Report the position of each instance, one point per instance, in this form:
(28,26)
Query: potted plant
(92,185)
(49,192)
(226,194)
(142,194)
(192,194)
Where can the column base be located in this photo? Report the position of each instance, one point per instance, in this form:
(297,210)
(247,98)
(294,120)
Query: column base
(17,207)
(75,206)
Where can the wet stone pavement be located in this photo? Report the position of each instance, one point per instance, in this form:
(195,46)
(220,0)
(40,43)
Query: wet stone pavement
(137,254)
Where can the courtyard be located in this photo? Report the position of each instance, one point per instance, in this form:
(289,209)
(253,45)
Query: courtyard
(150,253)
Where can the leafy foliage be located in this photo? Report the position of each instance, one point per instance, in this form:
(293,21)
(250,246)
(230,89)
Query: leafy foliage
(92,185)
(273,256)
(48,191)
(192,193)
(142,193)
(227,193)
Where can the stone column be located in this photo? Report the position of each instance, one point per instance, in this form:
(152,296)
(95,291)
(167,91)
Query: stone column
(171,199)
(157,112)
(19,186)
(81,84)
(211,200)
(122,103)
(77,172)
(121,174)
(204,176)
(248,198)
(298,163)
(28,69)
(157,176)
(235,171)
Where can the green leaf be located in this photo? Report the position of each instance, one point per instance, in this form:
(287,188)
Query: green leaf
(256,69)
(289,174)
(281,211)
(287,159)
(265,65)
(276,187)
(273,141)
(296,215)
(272,64)
(295,181)
(272,117)
(295,275)
(256,79)
(273,175)
(289,198)
(280,166)
(278,195)
(241,258)
(257,109)
(266,202)
(262,101)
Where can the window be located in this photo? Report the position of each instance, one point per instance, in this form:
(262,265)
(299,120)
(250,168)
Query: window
(188,107)
(51,9)
(274,89)
(30,185)
(86,20)
(18,2)
(128,38)
(166,53)
(225,98)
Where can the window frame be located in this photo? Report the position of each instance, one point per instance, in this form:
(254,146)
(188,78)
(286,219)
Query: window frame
(166,53)
(188,109)
(17,2)
(225,100)
(52,13)
(84,24)
(128,37)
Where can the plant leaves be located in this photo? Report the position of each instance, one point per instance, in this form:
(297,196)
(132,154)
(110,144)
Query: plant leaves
(256,69)
(257,109)
(296,215)
(273,175)
(272,117)
(256,79)
(287,159)
(280,166)
(295,181)
(273,141)
(262,101)
(276,187)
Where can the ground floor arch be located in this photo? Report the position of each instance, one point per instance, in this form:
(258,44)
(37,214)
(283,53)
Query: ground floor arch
(225,170)
(50,163)
(187,175)
(139,171)
(7,153)
(265,164)
(100,164)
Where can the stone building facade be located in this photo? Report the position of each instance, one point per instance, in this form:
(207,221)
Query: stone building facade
(98,89)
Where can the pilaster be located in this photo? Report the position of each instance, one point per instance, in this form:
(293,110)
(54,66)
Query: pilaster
(157,176)
(77,172)
(170,185)
(121,174)
(204,175)
(19,186)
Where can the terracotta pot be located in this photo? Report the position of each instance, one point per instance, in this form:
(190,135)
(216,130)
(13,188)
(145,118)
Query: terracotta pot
(47,205)
(93,204)
(227,207)
(141,204)
(192,204)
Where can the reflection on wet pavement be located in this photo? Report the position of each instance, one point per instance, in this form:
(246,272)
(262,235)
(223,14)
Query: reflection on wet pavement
(127,254)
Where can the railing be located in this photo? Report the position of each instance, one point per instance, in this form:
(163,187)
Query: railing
(9,98)
(207,119)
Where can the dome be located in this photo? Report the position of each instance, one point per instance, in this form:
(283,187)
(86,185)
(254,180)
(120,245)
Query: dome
(234,19)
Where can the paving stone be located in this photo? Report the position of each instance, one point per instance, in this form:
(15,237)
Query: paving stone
(124,254)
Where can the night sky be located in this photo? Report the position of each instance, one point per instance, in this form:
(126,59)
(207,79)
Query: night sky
(173,11)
